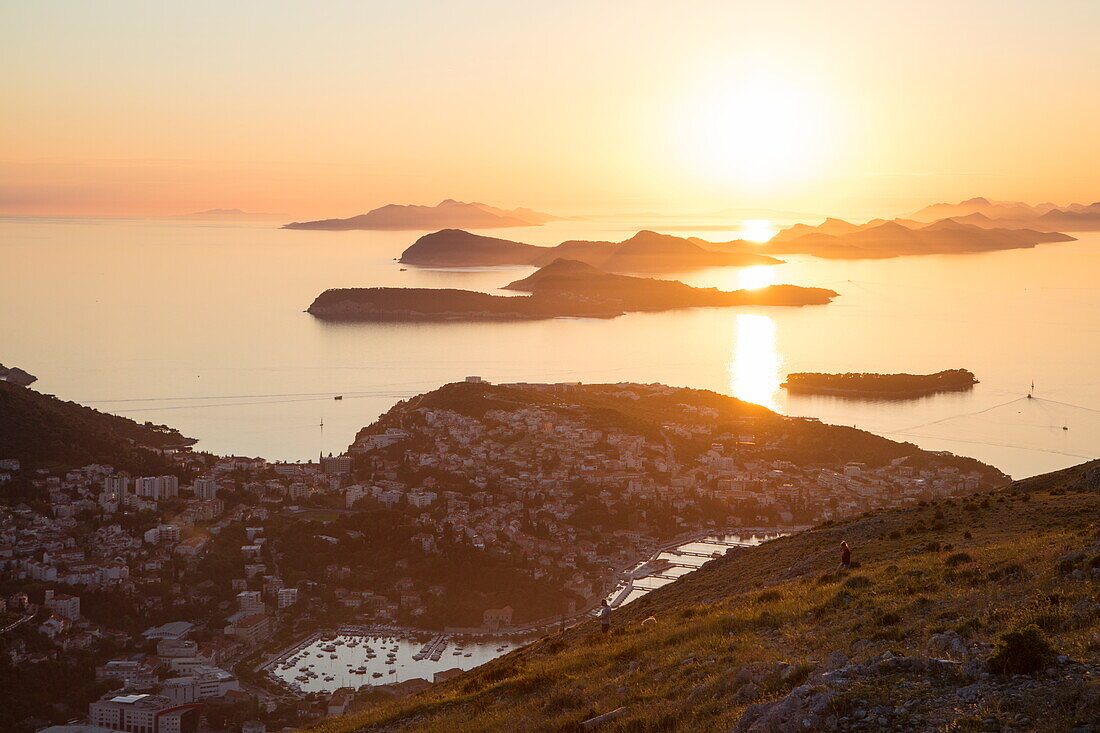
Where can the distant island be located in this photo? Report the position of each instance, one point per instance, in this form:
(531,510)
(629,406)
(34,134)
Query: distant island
(230,214)
(983,212)
(879,238)
(644,252)
(564,288)
(881,385)
(447,213)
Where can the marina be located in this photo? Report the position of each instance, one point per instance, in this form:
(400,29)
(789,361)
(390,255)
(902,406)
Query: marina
(671,563)
(358,656)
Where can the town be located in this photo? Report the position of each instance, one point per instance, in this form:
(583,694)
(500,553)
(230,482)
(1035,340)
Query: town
(501,511)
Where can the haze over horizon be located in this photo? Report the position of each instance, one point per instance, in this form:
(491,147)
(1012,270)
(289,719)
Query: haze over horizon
(138,109)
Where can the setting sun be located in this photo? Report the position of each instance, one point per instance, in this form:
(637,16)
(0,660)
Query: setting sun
(760,130)
(757,230)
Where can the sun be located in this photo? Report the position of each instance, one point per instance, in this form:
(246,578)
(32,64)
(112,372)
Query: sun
(757,230)
(757,131)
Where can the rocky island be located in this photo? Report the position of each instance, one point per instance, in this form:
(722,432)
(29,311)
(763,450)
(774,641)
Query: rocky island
(891,386)
(564,288)
(645,251)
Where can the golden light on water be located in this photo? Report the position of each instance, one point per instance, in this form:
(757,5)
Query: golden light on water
(752,278)
(757,230)
(754,368)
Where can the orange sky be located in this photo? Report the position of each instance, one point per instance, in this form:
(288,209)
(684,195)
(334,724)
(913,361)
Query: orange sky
(333,108)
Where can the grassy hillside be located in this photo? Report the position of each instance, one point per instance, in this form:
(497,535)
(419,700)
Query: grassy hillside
(40,429)
(777,638)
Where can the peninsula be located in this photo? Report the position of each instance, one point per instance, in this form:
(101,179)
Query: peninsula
(447,213)
(564,288)
(896,386)
(646,251)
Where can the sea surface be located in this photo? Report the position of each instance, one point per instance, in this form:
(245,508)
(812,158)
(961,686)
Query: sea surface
(202,326)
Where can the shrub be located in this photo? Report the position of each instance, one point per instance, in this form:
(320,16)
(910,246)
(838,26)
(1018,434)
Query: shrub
(889,619)
(1024,651)
(895,535)
(967,535)
(769,596)
(1065,566)
(932,546)
(858,581)
(959,558)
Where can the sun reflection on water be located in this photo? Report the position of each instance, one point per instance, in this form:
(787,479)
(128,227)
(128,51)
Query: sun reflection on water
(752,278)
(754,368)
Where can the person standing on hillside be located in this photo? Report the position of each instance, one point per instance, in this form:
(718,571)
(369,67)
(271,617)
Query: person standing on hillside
(605,617)
(845,555)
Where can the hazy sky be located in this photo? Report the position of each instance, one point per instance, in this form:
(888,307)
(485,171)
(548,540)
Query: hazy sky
(332,108)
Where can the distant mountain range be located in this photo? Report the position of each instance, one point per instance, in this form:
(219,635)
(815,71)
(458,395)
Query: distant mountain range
(879,238)
(986,213)
(447,214)
(643,252)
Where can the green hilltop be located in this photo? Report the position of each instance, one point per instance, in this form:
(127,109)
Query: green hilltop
(40,430)
(976,613)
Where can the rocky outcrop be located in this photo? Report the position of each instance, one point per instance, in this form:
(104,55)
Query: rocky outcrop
(889,692)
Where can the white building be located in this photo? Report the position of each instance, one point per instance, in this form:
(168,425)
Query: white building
(353,494)
(64,605)
(157,488)
(168,532)
(118,485)
(421,499)
(250,601)
(205,488)
(144,714)
(201,683)
(286,597)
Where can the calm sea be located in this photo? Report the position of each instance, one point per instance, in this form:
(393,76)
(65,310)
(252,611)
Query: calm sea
(201,326)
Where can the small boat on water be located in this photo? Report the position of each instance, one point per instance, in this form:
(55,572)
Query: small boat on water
(376,674)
